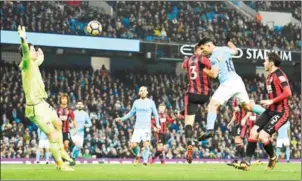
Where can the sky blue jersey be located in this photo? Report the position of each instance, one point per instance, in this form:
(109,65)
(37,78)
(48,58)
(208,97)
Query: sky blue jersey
(283,131)
(81,118)
(41,135)
(143,108)
(221,59)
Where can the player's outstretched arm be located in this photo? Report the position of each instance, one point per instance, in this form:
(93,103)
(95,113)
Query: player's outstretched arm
(40,58)
(233,47)
(88,121)
(229,126)
(130,114)
(24,45)
(155,113)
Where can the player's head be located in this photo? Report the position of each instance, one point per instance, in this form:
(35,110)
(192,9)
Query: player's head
(162,108)
(197,49)
(32,51)
(64,99)
(143,92)
(272,60)
(206,45)
(80,104)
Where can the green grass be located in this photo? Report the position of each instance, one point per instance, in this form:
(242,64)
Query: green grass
(282,171)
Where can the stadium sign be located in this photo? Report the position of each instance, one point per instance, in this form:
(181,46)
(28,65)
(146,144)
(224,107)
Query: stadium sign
(250,53)
(72,41)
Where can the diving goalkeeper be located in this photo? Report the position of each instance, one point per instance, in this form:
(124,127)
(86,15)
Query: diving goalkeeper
(37,109)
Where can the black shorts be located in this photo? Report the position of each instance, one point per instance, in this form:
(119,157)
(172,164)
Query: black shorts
(192,100)
(239,130)
(66,136)
(162,138)
(271,121)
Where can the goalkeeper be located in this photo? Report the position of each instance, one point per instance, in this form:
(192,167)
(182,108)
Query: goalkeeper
(37,109)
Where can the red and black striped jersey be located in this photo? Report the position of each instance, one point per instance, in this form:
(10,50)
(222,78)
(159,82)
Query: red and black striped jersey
(276,83)
(239,113)
(198,79)
(164,120)
(66,115)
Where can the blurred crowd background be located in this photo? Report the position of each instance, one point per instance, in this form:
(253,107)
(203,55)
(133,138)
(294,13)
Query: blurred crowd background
(170,21)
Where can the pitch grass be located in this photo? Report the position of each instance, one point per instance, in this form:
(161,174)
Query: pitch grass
(282,171)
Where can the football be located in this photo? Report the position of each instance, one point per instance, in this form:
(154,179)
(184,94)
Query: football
(94,28)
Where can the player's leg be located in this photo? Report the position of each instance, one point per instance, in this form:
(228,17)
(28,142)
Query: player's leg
(275,122)
(279,145)
(46,151)
(253,139)
(287,149)
(58,125)
(66,138)
(45,112)
(135,140)
(162,156)
(38,154)
(146,138)
(243,98)
(221,96)
(190,111)
(78,141)
(146,152)
(158,152)
(239,154)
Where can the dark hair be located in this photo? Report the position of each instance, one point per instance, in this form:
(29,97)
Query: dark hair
(274,57)
(196,47)
(204,40)
(64,95)
(20,48)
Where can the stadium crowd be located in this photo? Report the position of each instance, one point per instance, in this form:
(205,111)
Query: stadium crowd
(161,20)
(281,6)
(109,95)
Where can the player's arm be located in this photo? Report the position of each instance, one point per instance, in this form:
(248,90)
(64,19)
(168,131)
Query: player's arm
(24,47)
(185,63)
(74,124)
(40,58)
(205,65)
(233,48)
(131,113)
(286,89)
(88,121)
(232,120)
(155,113)
(286,93)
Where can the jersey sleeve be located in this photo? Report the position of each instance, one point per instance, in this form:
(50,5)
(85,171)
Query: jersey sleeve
(39,60)
(230,51)
(71,114)
(25,56)
(131,113)
(88,120)
(282,79)
(185,63)
(214,59)
(155,113)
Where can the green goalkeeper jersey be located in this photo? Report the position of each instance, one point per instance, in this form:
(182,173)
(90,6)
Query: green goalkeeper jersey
(32,82)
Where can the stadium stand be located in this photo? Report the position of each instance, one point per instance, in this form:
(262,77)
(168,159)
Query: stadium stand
(153,21)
